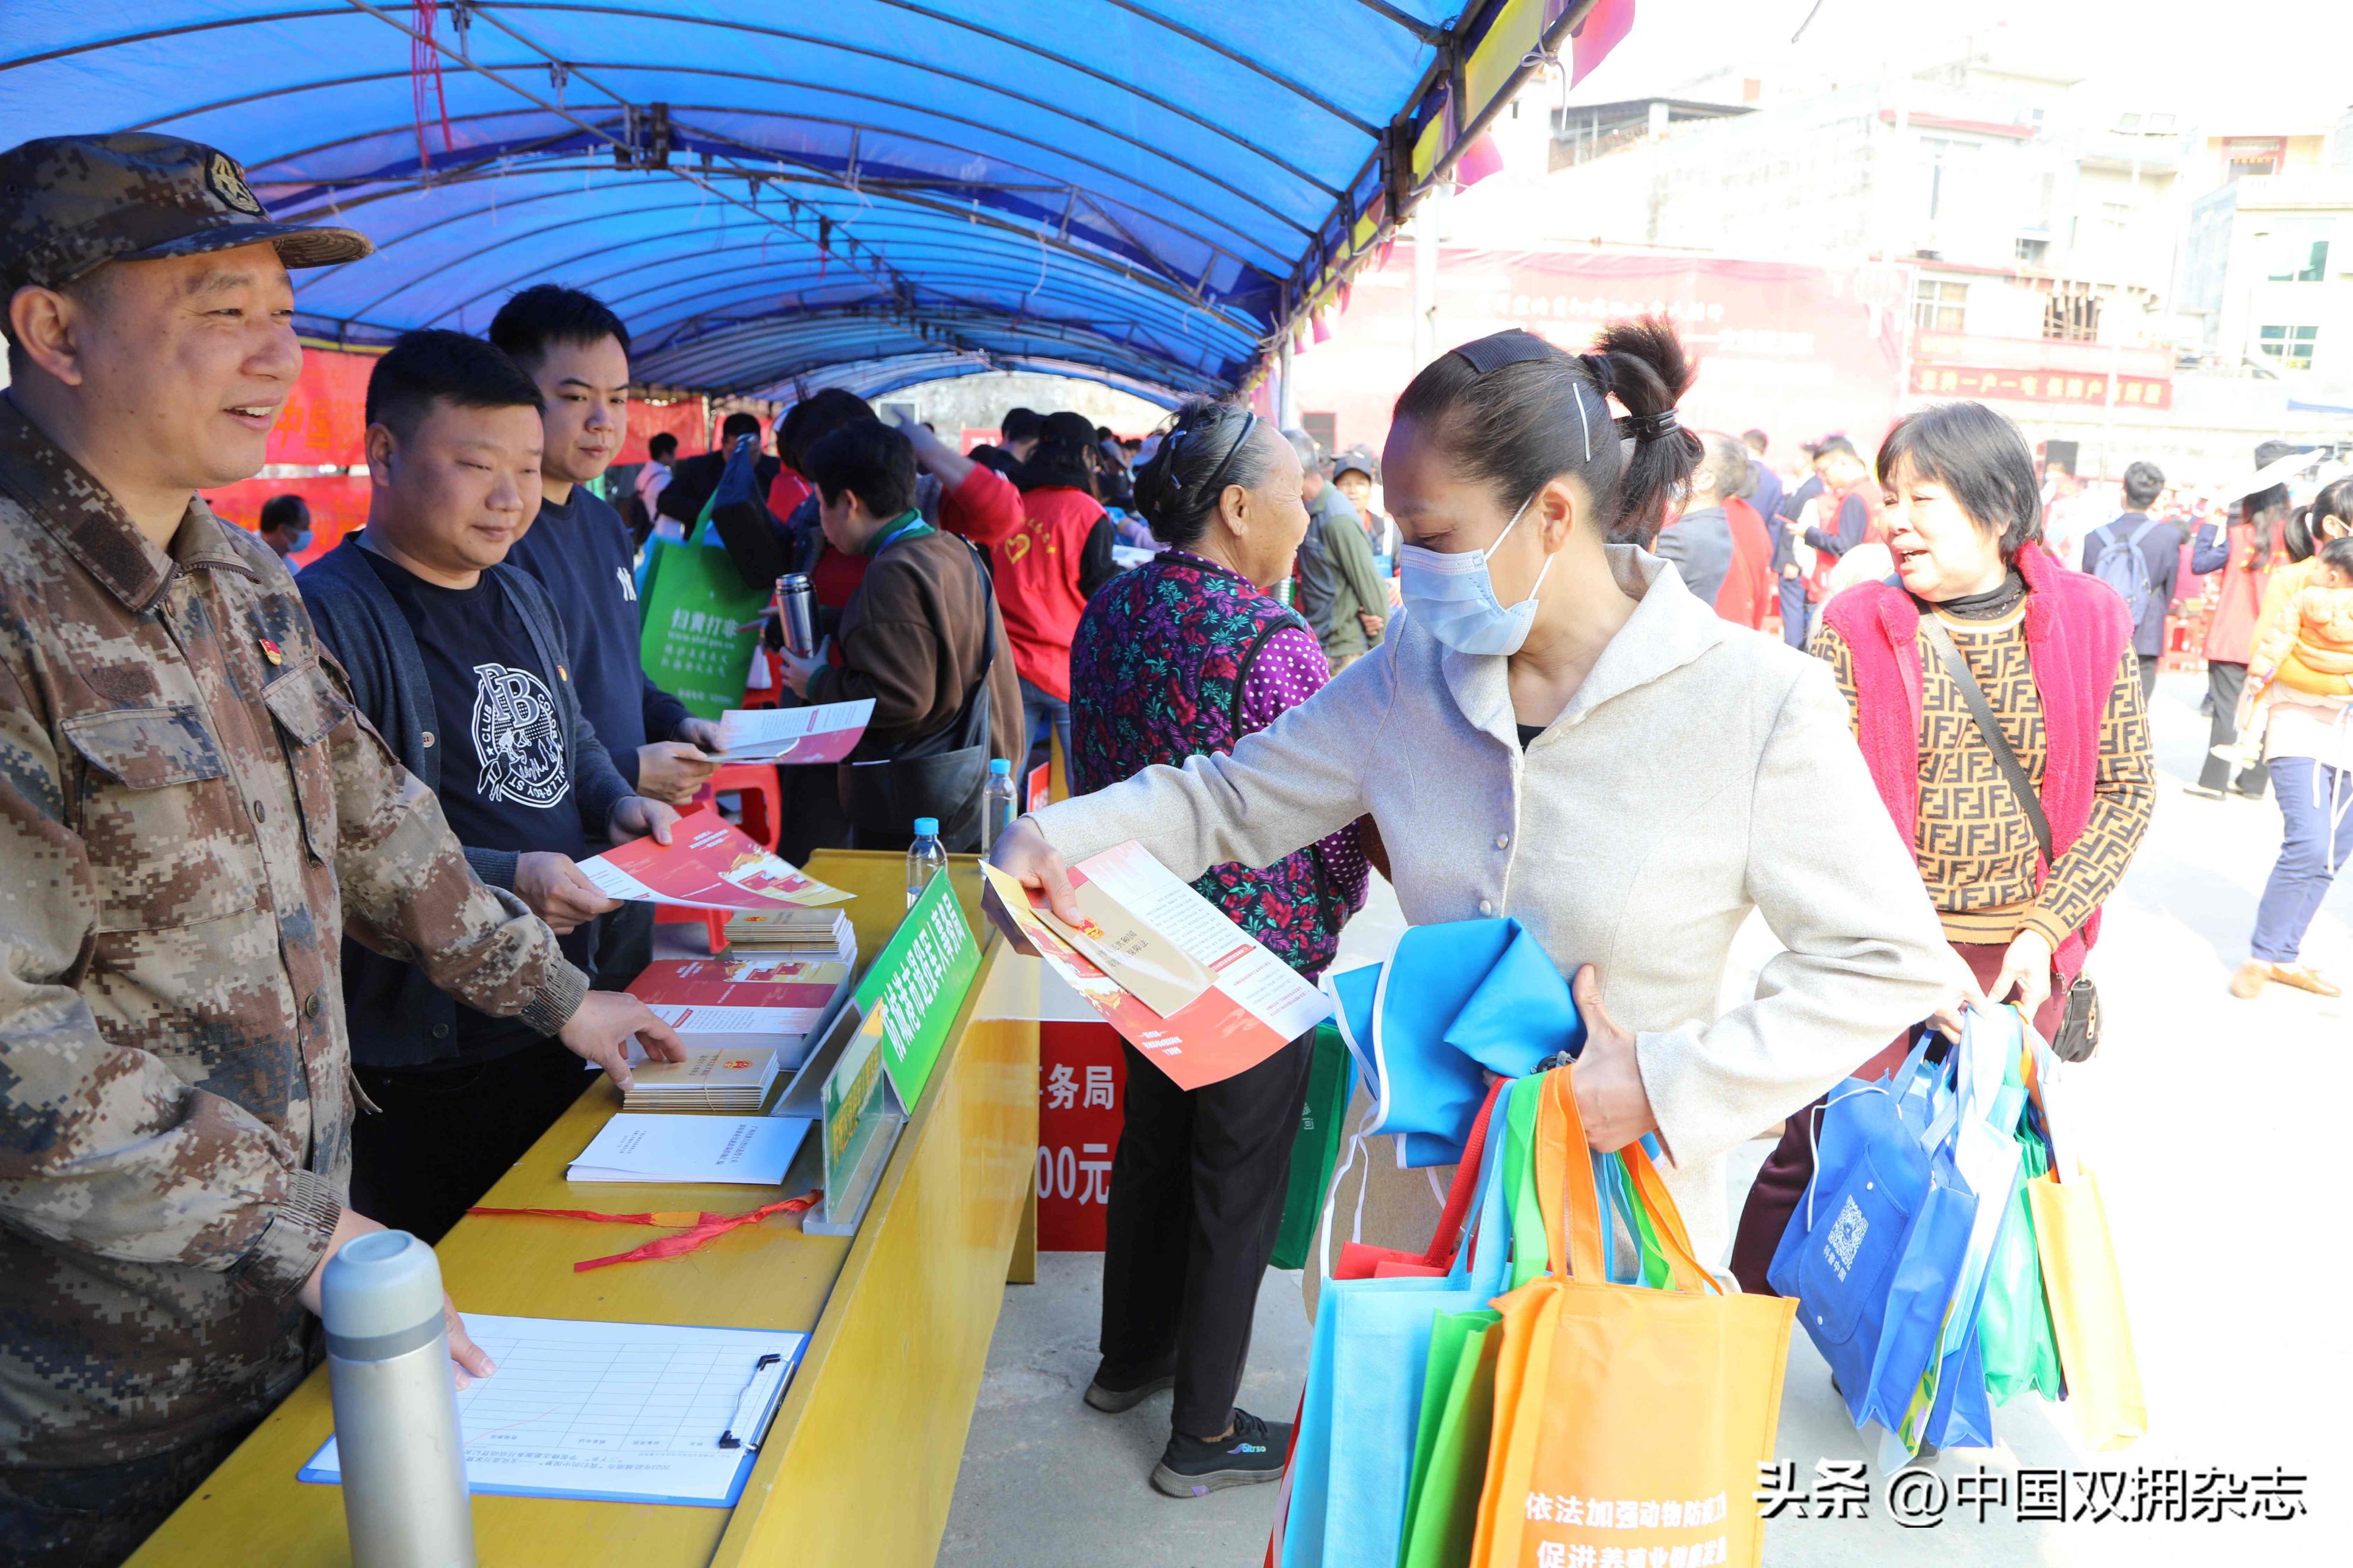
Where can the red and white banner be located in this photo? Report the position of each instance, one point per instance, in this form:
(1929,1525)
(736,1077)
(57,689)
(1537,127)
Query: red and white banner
(1797,351)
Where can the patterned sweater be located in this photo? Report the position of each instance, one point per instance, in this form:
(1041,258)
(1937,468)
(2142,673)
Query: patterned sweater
(1973,841)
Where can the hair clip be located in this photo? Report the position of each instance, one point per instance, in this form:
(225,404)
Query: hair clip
(1649,426)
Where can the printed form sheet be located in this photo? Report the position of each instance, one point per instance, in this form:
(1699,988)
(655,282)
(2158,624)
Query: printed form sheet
(627,1412)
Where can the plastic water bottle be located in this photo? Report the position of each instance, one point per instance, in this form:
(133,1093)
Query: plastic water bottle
(998,805)
(925,858)
(388,1374)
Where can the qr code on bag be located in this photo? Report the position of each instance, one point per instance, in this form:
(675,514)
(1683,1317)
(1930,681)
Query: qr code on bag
(1846,1237)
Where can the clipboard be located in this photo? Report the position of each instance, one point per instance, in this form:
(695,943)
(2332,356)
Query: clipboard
(614,1412)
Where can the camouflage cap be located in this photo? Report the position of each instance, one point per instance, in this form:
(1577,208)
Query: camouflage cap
(71,204)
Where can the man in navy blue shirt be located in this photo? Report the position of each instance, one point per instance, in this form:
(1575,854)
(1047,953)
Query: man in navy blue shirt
(1786,572)
(2159,544)
(577,352)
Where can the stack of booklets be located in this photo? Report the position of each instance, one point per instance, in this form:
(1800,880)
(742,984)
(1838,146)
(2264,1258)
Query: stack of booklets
(768,999)
(804,932)
(733,1081)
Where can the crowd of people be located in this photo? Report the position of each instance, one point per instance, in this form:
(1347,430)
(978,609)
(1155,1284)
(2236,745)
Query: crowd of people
(298,944)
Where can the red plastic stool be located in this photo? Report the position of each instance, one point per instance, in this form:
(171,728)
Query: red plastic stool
(772,694)
(763,794)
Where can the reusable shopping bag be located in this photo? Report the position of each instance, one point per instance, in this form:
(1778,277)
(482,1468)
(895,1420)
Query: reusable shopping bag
(700,623)
(1315,1148)
(2088,1308)
(2014,1329)
(1866,1218)
(1450,1460)
(1363,1260)
(1975,1127)
(1453,1003)
(1626,1417)
(1350,1465)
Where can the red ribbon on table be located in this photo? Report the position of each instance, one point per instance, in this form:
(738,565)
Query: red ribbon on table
(702,1225)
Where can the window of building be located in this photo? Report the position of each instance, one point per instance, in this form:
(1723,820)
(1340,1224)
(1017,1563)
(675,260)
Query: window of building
(2031,251)
(2071,314)
(2298,258)
(1938,306)
(2292,346)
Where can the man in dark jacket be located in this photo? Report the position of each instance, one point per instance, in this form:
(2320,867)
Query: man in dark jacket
(1340,592)
(460,663)
(692,480)
(2159,547)
(577,352)
(1788,576)
(921,627)
(1702,543)
(1767,497)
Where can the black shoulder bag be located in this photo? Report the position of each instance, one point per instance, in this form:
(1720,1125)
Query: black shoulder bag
(2079,1028)
(939,774)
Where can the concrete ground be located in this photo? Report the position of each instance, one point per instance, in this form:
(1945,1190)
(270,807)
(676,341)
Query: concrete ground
(2211,1123)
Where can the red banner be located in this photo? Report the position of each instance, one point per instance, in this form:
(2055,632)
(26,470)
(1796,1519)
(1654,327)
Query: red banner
(1082,1074)
(684,418)
(1797,351)
(325,419)
(2039,386)
(339,505)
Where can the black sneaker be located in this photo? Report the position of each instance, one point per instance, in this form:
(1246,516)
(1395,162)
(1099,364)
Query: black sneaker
(1252,1452)
(1114,1391)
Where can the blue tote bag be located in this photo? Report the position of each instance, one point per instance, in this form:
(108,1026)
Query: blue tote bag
(1353,1461)
(1880,1224)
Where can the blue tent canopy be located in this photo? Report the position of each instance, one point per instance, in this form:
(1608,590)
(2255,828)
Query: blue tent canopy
(862,193)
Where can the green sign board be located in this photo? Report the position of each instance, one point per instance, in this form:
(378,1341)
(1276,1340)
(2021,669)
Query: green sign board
(919,982)
(865,1076)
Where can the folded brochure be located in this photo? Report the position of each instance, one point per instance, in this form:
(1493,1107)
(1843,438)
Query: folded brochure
(707,865)
(825,733)
(755,1150)
(1228,1003)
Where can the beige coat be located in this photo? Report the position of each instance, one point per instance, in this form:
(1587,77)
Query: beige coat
(1701,770)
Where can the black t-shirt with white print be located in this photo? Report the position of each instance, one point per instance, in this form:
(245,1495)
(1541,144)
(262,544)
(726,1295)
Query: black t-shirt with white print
(505,781)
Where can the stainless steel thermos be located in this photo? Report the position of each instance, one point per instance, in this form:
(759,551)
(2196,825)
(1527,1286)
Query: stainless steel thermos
(396,1405)
(794,605)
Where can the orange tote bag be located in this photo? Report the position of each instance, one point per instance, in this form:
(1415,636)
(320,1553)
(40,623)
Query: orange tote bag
(1626,1417)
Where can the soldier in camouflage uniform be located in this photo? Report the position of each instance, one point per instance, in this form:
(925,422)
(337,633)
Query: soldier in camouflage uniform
(191,818)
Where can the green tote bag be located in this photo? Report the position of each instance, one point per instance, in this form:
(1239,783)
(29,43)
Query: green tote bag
(1315,1149)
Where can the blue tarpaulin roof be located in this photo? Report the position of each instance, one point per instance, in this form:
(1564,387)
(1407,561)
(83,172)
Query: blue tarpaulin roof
(866,192)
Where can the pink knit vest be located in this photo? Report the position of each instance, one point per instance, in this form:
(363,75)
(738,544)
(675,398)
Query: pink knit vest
(2076,629)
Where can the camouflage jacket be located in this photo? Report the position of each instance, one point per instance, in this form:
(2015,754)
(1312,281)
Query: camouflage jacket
(191,817)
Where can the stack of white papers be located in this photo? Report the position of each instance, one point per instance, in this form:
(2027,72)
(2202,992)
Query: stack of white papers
(752,1150)
(722,1080)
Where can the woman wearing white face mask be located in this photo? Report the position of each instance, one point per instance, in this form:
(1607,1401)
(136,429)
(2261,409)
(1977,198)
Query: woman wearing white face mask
(1561,732)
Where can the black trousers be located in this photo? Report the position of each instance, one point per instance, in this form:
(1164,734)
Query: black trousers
(1196,1190)
(95,1516)
(446,1134)
(2223,683)
(2148,663)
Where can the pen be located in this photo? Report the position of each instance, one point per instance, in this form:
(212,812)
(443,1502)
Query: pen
(755,1398)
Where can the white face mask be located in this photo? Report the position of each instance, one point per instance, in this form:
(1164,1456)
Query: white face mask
(1454,597)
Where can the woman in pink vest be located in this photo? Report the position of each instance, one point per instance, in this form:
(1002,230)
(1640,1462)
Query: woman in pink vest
(2017,876)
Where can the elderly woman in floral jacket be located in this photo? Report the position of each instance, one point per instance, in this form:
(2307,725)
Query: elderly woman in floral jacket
(1181,656)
